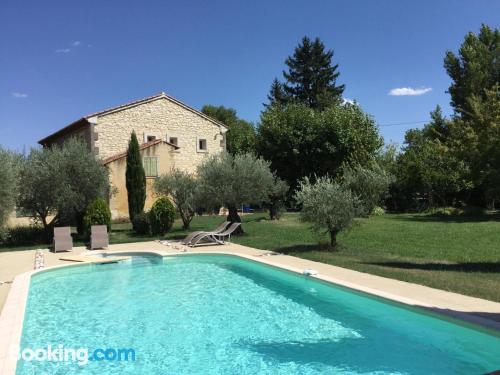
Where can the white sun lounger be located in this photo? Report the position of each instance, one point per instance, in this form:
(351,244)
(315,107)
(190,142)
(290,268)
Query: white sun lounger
(191,236)
(209,238)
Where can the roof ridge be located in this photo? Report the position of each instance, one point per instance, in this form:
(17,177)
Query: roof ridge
(161,94)
(115,108)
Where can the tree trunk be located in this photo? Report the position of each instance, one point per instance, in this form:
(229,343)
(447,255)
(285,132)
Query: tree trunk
(80,228)
(273,212)
(186,219)
(234,217)
(333,239)
(48,227)
(185,224)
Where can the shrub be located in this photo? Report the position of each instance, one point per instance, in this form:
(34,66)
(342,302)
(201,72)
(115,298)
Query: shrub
(378,211)
(97,213)
(329,206)
(24,235)
(141,223)
(162,216)
(370,185)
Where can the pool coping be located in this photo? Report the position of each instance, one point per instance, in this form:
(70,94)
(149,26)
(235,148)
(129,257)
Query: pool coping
(12,315)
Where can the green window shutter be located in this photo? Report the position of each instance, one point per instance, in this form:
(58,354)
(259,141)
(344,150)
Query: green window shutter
(154,167)
(151,166)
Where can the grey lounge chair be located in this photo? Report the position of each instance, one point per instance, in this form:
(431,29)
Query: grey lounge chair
(191,236)
(62,239)
(208,238)
(99,237)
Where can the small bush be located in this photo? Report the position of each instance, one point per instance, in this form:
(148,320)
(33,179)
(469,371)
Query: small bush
(369,185)
(162,216)
(141,223)
(24,235)
(378,211)
(97,213)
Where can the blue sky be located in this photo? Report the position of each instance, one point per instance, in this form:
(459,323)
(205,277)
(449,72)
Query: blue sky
(60,60)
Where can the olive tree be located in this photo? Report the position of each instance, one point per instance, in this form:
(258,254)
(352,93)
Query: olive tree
(276,199)
(8,184)
(181,186)
(230,181)
(370,185)
(327,205)
(58,183)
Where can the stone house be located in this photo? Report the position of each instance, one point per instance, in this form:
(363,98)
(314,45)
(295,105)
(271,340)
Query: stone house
(173,135)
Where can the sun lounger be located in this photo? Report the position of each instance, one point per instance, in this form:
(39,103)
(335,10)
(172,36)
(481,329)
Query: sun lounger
(62,239)
(208,238)
(99,237)
(191,236)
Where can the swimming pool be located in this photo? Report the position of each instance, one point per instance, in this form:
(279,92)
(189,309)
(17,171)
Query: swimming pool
(218,314)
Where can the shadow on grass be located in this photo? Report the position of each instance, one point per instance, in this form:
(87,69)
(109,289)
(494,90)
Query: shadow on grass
(433,218)
(254,220)
(307,248)
(487,267)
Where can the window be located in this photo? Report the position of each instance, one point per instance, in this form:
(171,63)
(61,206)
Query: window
(150,166)
(149,138)
(173,140)
(202,145)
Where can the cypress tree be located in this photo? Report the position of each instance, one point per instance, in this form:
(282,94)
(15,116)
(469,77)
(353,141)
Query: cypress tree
(135,179)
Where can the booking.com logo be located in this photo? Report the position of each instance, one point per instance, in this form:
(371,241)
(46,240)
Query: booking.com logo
(82,356)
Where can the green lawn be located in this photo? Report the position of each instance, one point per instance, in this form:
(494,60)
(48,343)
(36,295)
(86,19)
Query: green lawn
(452,253)
(455,254)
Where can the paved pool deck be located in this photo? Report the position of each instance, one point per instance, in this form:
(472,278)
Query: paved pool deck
(16,269)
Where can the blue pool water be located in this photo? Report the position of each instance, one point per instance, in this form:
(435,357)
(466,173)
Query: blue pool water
(207,314)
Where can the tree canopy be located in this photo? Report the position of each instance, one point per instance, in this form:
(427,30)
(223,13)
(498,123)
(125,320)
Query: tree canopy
(456,161)
(300,141)
(61,181)
(311,77)
(182,187)
(230,181)
(241,135)
(327,205)
(475,69)
(8,184)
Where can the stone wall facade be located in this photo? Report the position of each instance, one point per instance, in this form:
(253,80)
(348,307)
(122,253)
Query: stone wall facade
(162,119)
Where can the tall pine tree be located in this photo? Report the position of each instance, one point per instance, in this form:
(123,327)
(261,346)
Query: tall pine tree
(475,69)
(135,179)
(311,78)
(277,95)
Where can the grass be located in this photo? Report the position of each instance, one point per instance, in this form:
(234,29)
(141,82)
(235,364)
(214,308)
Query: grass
(455,253)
